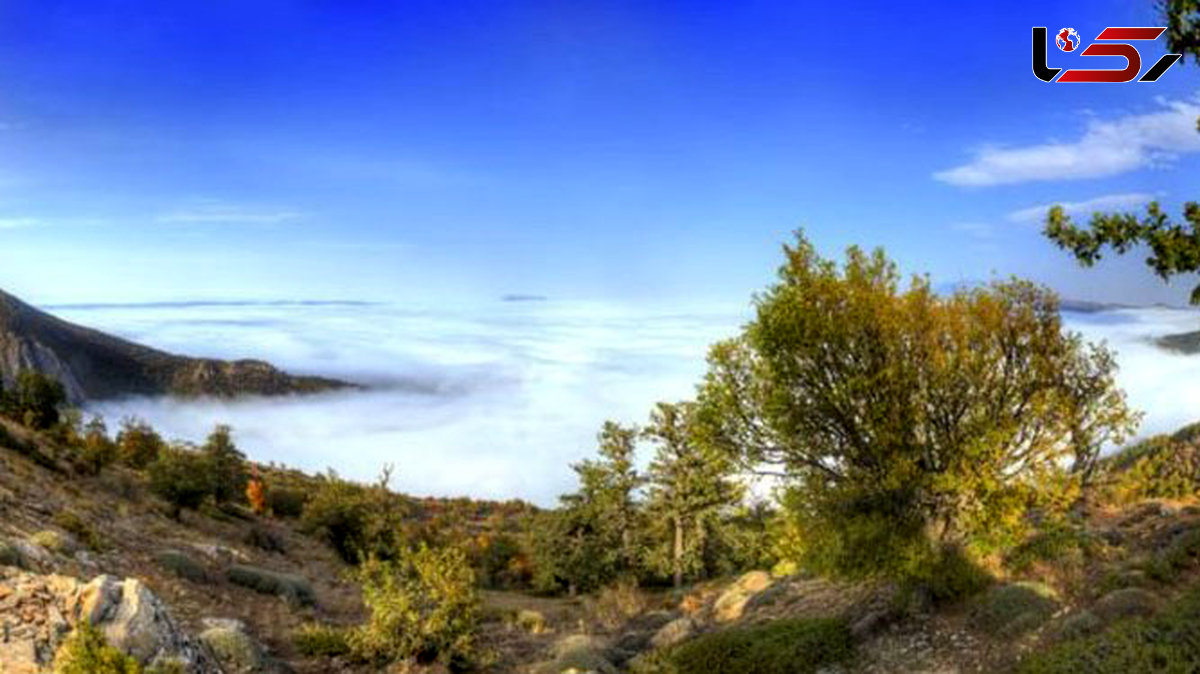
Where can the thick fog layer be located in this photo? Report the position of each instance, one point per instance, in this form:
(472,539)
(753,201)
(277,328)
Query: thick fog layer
(497,401)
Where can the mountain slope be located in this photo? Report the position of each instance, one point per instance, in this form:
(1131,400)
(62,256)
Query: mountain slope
(93,365)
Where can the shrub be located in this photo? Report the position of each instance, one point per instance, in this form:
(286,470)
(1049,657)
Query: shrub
(35,400)
(74,525)
(96,450)
(10,555)
(179,476)
(286,502)
(1179,554)
(795,646)
(423,607)
(617,603)
(86,652)
(314,639)
(1168,642)
(909,421)
(53,541)
(1014,608)
(264,538)
(182,566)
(138,445)
(295,589)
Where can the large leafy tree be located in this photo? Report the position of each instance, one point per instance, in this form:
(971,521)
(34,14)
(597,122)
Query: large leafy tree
(1174,244)
(909,425)
(690,483)
(226,465)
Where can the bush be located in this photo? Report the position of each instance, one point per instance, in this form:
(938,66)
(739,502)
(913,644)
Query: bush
(96,450)
(910,421)
(285,502)
(796,646)
(53,541)
(1168,642)
(1014,608)
(314,639)
(74,525)
(423,607)
(295,589)
(265,539)
(34,400)
(179,476)
(86,652)
(182,566)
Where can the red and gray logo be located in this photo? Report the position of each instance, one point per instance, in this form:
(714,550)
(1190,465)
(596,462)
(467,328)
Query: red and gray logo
(1110,42)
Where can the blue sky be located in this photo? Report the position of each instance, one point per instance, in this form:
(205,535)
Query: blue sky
(613,151)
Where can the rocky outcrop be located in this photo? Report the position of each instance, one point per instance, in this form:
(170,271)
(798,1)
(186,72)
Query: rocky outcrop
(732,603)
(93,365)
(37,612)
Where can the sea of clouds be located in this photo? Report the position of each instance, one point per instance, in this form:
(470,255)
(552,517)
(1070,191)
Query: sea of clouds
(497,400)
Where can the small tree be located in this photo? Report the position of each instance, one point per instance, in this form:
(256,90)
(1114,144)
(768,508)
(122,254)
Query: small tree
(423,606)
(256,492)
(910,427)
(225,465)
(593,537)
(180,477)
(138,444)
(97,450)
(690,482)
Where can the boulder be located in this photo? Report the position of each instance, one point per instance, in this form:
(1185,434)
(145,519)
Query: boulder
(578,654)
(237,651)
(733,601)
(39,611)
(134,620)
(673,632)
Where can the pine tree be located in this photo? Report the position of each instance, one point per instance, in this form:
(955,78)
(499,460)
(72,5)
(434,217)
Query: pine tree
(226,465)
(690,482)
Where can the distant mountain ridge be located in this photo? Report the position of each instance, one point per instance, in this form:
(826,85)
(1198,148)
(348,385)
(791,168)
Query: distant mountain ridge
(93,365)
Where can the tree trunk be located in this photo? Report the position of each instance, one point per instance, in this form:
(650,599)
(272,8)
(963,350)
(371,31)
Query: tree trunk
(678,556)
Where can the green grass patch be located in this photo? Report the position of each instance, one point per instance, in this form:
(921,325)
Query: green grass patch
(1168,642)
(798,646)
(315,639)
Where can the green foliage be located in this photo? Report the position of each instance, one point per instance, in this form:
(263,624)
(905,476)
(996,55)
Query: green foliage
(691,482)
(592,539)
(314,639)
(1014,608)
(1174,246)
(138,444)
(423,607)
(357,521)
(225,465)
(1163,466)
(1058,542)
(912,428)
(1180,554)
(1168,642)
(34,400)
(53,541)
(286,502)
(796,646)
(97,450)
(1183,27)
(180,476)
(70,522)
(86,652)
(295,589)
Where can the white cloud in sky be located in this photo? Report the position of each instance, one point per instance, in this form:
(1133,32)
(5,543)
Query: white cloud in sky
(1106,148)
(230,215)
(1108,202)
(18,223)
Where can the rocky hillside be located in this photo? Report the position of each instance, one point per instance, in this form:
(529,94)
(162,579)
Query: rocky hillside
(93,365)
